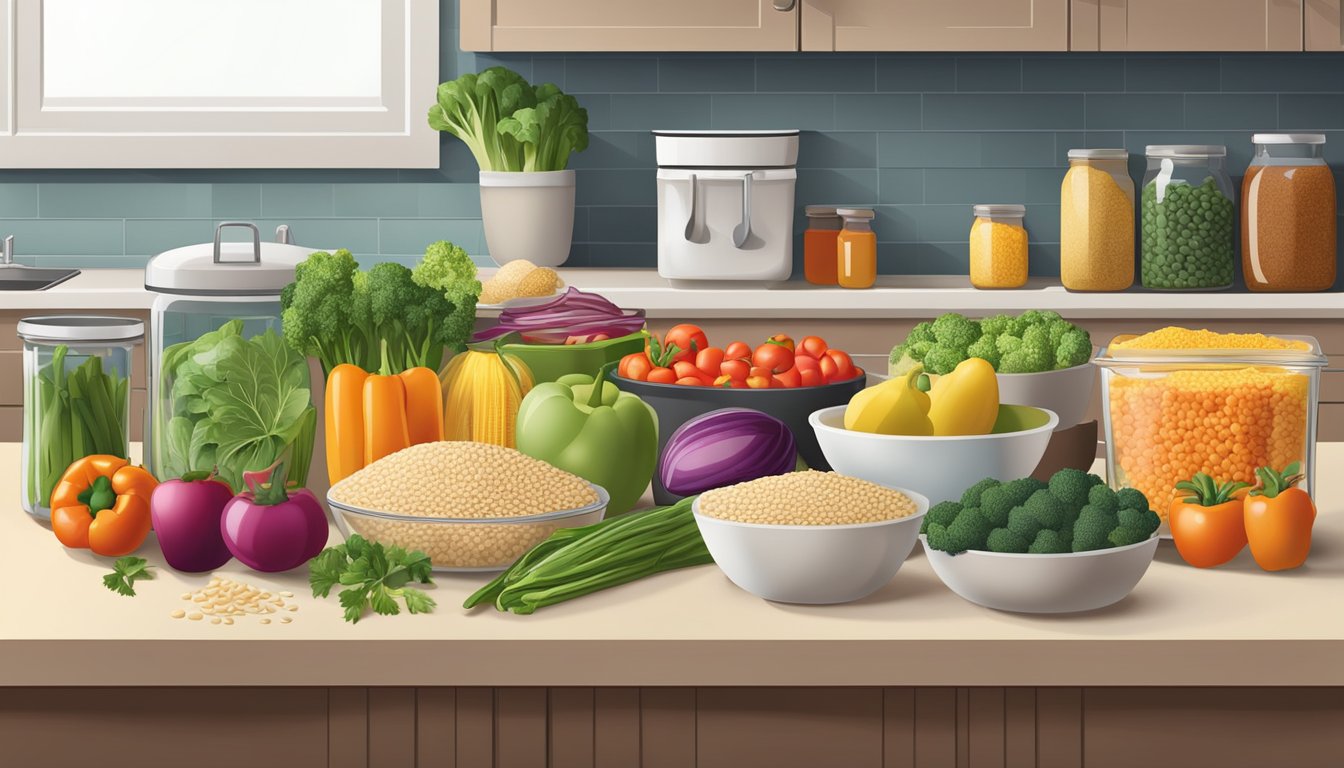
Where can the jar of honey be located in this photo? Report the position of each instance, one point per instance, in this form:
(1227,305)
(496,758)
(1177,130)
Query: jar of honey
(998,246)
(819,262)
(856,249)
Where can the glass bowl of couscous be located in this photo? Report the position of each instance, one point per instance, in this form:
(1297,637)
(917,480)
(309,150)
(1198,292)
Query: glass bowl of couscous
(1176,402)
(809,537)
(468,506)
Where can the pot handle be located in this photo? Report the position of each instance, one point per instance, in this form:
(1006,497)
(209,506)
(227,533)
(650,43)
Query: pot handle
(256,240)
(690,233)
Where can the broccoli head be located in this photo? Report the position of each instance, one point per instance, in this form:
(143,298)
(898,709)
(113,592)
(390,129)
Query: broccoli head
(1074,348)
(1123,537)
(971,497)
(969,531)
(1037,335)
(942,513)
(1021,489)
(985,348)
(942,359)
(1004,540)
(316,309)
(1102,497)
(919,349)
(921,332)
(1048,510)
(1024,523)
(1066,530)
(995,325)
(955,331)
(1092,528)
(1039,316)
(1033,355)
(1073,486)
(1008,343)
(995,504)
(1131,498)
(1048,542)
(1144,521)
(449,271)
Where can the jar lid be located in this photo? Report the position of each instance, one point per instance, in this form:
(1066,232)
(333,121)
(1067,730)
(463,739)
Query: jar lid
(1183,151)
(61,328)
(820,211)
(1098,154)
(855,213)
(253,268)
(997,209)
(1288,138)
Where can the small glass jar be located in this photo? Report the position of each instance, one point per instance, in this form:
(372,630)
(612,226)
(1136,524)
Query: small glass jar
(1188,219)
(1096,221)
(998,246)
(856,249)
(819,257)
(1288,215)
(76,396)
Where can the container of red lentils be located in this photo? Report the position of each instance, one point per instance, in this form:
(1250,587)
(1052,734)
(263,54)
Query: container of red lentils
(1177,402)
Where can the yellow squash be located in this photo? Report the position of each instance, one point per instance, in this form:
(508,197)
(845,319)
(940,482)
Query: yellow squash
(965,401)
(895,407)
(481,394)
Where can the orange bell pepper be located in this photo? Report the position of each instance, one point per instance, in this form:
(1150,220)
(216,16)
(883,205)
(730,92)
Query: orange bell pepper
(345,420)
(1208,527)
(1278,518)
(101,503)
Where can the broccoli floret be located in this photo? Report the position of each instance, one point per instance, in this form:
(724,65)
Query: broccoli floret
(1049,511)
(1144,521)
(1103,498)
(1072,486)
(995,504)
(1131,498)
(971,497)
(1024,523)
(1093,527)
(986,349)
(316,309)
(1033,355)
(955,331)
(942,359)
(1037,335)
(921,332)
(1021,489)
(968,531)
(1004,540)
(1073,348)
(1008,343)
(918,349)
(448,270)
(942,513)
(1048,542)
(1066,531)
(995,325)
(937,537)
(1123,537)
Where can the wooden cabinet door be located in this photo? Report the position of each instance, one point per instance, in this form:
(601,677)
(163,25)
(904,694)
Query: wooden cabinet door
(1187,25)
(629,25)
(935,25)
(1323,29)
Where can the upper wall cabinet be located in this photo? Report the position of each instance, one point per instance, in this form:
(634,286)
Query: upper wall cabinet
(217,83)
(935,25)
(629,25)
(1187,25)
(1324,32)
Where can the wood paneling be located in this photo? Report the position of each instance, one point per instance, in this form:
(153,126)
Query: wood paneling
(475,726)
(571,713)
(898,728)
(436,727)
(391,727)
(667,727)
(615,727)
(348,727)
(520,727)
(789,727)
(1201,25)
(1323,31)
(935,25)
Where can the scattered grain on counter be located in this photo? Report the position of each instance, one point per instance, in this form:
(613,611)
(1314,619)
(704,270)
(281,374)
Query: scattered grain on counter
(806,498)
(178,614)
(1175,337)
(222,598)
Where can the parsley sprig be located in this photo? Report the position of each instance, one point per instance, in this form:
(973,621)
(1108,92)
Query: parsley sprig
(125,572)
(373,576)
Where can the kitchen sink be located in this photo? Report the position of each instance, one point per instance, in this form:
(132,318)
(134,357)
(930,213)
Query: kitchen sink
(18,277)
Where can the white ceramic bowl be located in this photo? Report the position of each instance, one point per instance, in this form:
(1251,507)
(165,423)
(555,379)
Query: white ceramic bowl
(811,564)
(1067,392)
(1024,583)
(941,468)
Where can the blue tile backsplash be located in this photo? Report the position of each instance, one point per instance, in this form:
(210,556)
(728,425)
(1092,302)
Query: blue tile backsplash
(919,137)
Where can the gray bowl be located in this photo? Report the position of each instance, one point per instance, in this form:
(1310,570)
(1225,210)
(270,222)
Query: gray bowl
(676,405)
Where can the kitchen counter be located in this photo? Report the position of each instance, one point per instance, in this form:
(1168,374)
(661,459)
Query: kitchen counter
(894,297)
(1231,626)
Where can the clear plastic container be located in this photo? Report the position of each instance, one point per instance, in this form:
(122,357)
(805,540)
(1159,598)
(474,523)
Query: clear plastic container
(76,396)
(998,246)
(1096,221)
(819,257)
(1188,219)
(856,249)
(1288,215)
(1169,414)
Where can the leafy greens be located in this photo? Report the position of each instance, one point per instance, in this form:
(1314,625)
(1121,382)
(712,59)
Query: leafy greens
(373,577)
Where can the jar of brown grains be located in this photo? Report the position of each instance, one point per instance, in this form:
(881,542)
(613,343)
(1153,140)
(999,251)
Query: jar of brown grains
(1288,215)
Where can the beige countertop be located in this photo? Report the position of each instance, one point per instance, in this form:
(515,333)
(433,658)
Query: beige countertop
(893,297)
(1233,625)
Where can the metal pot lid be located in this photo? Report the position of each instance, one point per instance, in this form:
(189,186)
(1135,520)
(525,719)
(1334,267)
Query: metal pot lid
(88,328)
(253,268)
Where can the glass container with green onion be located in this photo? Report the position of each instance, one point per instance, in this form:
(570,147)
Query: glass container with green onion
(76,396)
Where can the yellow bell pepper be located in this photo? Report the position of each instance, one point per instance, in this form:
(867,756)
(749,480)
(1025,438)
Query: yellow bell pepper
(965,401)
(895,407)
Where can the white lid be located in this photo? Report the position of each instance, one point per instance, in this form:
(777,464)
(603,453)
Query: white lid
(1288,138)
(821,211)
(1098,154)
(226,269)
(1185,150)
(729,134)
(80,328)
(855,213)
(996,209)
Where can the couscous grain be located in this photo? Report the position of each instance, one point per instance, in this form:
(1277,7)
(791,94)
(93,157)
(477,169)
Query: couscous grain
(806,498)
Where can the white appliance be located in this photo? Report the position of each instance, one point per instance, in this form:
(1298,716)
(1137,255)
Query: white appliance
(725,205)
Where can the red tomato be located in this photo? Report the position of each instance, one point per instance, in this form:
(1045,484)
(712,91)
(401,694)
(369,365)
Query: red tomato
(728,382)
(812,346)
(809,370)
(635,366)
(828,368)
(757,370)
(737,369)
(708,360)
(684,368)
(782,340)
(662,375)
(689,340)
(844,365)
(691,381)
(775,356)
(790,378)
(759,382)
(738,350)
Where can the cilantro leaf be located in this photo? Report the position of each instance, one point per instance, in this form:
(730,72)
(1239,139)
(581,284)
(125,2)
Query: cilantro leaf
(382,601)
(125,572)
(374,578)
(417,601)
(324,572)
(353,600)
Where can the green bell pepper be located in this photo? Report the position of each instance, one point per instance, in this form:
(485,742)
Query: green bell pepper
(593,430)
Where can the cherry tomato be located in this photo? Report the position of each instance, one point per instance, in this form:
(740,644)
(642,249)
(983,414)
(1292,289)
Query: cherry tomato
(738,350)
(661,375)
(812,346)
(688,338)
(790,378)
(691,381)
(809,371)
(635,366)
(737,369)
(757,370)
(828,368)
(684,368)
(708,360)
(759,382)
(845,369)
(775,356)
(782,340)
(728,382)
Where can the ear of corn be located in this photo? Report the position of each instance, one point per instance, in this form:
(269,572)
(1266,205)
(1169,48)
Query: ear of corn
(481,395)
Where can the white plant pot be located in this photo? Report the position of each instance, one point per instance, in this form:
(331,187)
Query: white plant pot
(528,215)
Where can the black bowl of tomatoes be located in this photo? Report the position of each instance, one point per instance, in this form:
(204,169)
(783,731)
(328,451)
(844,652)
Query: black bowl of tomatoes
(682,376)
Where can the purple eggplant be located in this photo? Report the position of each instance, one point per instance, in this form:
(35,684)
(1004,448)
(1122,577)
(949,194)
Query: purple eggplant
(725,447)
(270,528)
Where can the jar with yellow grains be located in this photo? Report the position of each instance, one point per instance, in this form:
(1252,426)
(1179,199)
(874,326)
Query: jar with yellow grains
(1178,402)
(1096,221)
(998,246)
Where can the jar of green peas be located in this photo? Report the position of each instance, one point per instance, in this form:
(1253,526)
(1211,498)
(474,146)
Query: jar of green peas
(1187,219)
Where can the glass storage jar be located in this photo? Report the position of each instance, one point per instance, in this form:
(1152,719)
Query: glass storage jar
(1187,219)
(856,249)
(1096,221)
(1288,215)
(76,396)
(998,246)
(819,243)
(225,390)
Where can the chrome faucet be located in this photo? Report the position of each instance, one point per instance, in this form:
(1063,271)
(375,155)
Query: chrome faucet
(282,234)
(7,251)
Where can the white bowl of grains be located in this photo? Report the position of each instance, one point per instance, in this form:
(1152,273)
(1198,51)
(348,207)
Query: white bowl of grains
(468,506)
(810,537)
